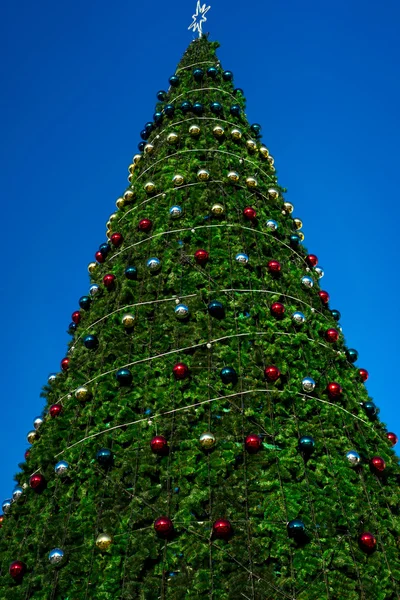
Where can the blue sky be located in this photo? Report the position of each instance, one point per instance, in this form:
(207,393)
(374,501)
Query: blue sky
(79,81)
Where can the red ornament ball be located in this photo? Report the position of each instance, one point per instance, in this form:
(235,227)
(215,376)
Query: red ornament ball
(331,336)
(17,569)
(159,444)
(1,521)
(145,225)
(163,526)
(324,296)
(222,528)
(274,267)
(278,309)
(27,454)
(272,373)
(392,437)
(181,371)
(249,213)
(99,257)
(201,256)
(37,481)
(363,373)
(109,280)
(377,464)
(76,317)
(65,364)
(312,260)
(116,239)
(367,541)
(252,443)
(334,389)
(55,410)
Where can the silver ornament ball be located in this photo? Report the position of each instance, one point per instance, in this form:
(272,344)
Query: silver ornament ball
(353,457)
(308,384)
(298,318)
(319,272)
(52,377)
(181,311)
(56,556)
(175,212)
(6,506)
(17,493)
(307,282)
(242,258)
(94,289)
(61,468)
(153,264)
(37,423)
(272,225)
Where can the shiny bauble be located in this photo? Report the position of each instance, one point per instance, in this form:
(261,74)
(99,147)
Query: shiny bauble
(227,75)
(203,175)
(149,126)
(298,318)
(124,377)
(288,208)
(181,312)
(32,436)
(159,445)
(297,223)
(251,183)
(65,364)
(131,273)
(222,529)
(367,542)
(37,423)
(85,302)
(363,373)
(109,281)
(17,493)
(272,373)
(82,393)
(128,321)
(201,256)
(228,375)
(169,110)
(256,129)
(307,282)
(153,264)
(90,342)
(212,72)
(141,146)
(104,457)
(61,468)
(37,482)
(17,569)
(306,444)
(236,134)
(198,74)
(145,225)
(336,314)
(99,257)
(312,260)
(370,409)
(252,443)
(217,210)
(148,149)
(186,106)
(51,378)
(161,96)
(1,521)
(216,108)
(301,235)
(56,556)
(352,355)
(242,258)
(194,130)
(251,145)
(180,371)
(296,528)
(377,464)
(144,134)
(175,212)
(150,187)
(353,458)
(6,506)
(163,526)
(129,194)
(76,317)
(308,384)
(198,108)
(274,267)
(72,327)
(277,310)
(249,213)
(324,296)
(334,390)
(264,153)
(216,309)
(207,440)
(218,131)
(294,240)
(331,335)
(174,80)
(116,239)
(319,272)
(235,110)
(55,410)
(172,138)
(392,437)
(272,225)
(103,541)
(233,176)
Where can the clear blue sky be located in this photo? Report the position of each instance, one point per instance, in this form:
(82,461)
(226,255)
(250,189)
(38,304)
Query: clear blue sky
(79,81)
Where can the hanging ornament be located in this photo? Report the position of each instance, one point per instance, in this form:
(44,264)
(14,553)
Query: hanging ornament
(55,410)
(307,282)
(145,225)
(17,493)
(194,130)
(308,384)
(353,458)
(377,464)
(312,260)
(301,235)
(130,194)
(252,443)
(128,321)
(216,108)
(116,239)
(52,377)
(163,526)
(367,542)
(161,96)
(331,336)
(174,80)
(99,257)
(175,212)
(104,457)
(198,108)
(153,264)
(277,310)
(324,296)
(334,390)
(272,373)
(203,175)
(319,272)
(236,134)
(249,213)
(296,528)
(288,208)
(306,444)
(169,110)
(82,393)
(216,309)
(149,148)
(274,267)
(233,176)
(297,224)
(207,440)
(85,302)
(124,377)
(178,180)
(103,541)
(272,225)
(150,187)
(251,183)
(336,314)
(72,327)
(159,445)
(32,436)
(17,569)
(212,72)
(370,408)
(76,317)
(109,281)
(363,373)
(90,342)
(201,256)
(251,146)
(227,75)
(222,529)
(181,311)
(228,375)
(272,192)
(298,318)
(61,468)
(131,273)
(198,74)
(37,482)
(294,240)
(56,556)
(65,364)
(6,506)
(242,258)
(352,355)
(186,106)
(264,153)
(180,371)
(217,210)
(392,437)
(219,131)
(92,267)
(256,128)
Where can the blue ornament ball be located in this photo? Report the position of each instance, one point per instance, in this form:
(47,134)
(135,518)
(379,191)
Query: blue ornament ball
(61,468)
(94,289)
(131,273)
(141,146)
(198,108)
(272,225)
(104,248)
(236,110)
(198,74)
(228,375)
(124,377)
(175,212)
(352,355)
(174,80)
(256,128)
(149,127)
(216,108)
(294,240)
(104,457)
(144,134)
(84,302)
(153,264)
(298,318)
(72,327)
(186,106)
(212,72)
(227,75)
(157,117)
(181,311)
(370,408)
(242,258)
(56,556)
(161,96)
(306,444)
(90,342)
(169,110)
(216,309)
(336,314)
(296,528)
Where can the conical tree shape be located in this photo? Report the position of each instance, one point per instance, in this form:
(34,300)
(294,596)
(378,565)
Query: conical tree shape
(207,337)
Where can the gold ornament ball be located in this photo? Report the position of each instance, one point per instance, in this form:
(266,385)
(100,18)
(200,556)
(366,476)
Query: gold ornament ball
(91,267)
(178,180)
(264,151)
(129,195)
(120,203)
(203,175)
(236,134)
(108,234)
(150,187)
(207,440)
(103,541)
(112,217)
(301,235)
(148,149)
(32,436)
(271,160)
(82,394)
(136,158)
(131,168)
(108,224)
(194,130)
(233,176)
(251,145)
(130,177)
(273,193)
(298,223)
(128,321)
(288,208)
(217,209)
(172,138)
(251,183)
(218,131)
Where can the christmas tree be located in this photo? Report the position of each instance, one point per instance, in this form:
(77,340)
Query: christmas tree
(209,433)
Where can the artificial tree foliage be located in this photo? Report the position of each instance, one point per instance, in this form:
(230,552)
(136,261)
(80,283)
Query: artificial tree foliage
(258,492)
